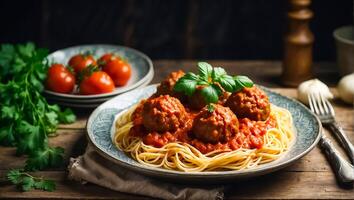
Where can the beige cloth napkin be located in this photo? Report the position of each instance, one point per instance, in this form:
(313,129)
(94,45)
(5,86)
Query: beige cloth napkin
(91,167)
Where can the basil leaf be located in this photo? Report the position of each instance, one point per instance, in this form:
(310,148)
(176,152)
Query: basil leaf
(217,73)
(204,70)
(242,82)
(202,82)
(185,85)
(191,76)
(210,94)
(245,81)
(238,86)
(217,89)
(228,83)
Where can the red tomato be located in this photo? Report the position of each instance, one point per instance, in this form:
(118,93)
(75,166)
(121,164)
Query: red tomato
(60,79)
(105,58)
(118,69)
(97,83)
(81,61)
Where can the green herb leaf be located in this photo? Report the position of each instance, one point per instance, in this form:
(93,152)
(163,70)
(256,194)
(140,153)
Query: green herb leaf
(217,73)
(202,82)
(214,81)
(52,118)
(6,54)
(26,117)
(27,182)
(191,76)
(26,50)
(204,70)
(67,116)
(14,176)
(9,112)
(49,157)
(187,84)
(227,82)
(47,185)
(32,138)
(210,93)
(7,136)
(18,65)
(242,82)
(210,108)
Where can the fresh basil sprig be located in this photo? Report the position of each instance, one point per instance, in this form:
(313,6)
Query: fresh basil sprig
(213,80)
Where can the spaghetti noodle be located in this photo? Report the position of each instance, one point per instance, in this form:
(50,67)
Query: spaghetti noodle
(183,156)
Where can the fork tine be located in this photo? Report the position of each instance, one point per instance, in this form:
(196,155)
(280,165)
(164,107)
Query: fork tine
(329,105)
(324,104)
(319,103)
(314,102)
(310,102)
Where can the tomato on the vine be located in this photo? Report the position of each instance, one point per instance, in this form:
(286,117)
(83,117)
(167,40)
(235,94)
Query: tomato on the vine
(60,79)
(105,58)
(117,68)
(97,82)
(81,61)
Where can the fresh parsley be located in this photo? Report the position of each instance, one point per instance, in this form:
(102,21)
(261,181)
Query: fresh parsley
(213,81)
(26,118)
(25,182)
(42,158)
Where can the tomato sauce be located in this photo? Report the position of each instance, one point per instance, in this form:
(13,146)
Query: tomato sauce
(249,135)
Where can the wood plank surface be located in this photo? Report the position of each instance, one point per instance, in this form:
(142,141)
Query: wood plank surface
(278,185)
(309,178)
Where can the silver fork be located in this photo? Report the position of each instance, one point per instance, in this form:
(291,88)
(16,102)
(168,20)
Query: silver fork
(343,169)
(324,110)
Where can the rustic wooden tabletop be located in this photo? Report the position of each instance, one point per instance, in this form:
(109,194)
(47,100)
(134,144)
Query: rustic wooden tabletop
(309,178)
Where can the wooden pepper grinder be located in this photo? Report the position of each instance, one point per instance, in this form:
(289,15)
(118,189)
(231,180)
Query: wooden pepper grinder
(298,44)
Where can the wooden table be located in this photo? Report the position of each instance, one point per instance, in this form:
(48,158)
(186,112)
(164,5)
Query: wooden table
(310,177)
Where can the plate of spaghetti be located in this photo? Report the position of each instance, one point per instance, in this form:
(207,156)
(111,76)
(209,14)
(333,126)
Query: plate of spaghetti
(205,126)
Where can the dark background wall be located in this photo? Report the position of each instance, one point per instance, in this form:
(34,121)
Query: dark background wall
(208,29)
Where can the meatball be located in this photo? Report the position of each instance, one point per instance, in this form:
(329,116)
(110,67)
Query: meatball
(167,85)
(196,101)
(216,126)
(163,113)
(250,103)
